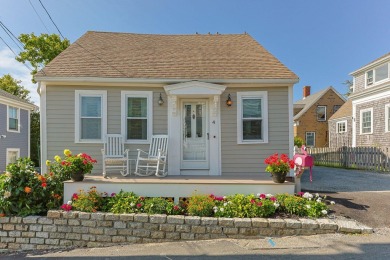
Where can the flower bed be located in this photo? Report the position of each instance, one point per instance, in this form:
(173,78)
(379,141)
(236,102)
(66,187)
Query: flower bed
(202,205)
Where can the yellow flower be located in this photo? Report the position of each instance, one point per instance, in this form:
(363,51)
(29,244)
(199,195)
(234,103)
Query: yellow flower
(67,152)
(47,163)
(57,158)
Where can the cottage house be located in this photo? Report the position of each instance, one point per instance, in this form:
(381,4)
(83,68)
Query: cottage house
(139,85)
(311,115)
(14,128)
(340,126)
(370,104)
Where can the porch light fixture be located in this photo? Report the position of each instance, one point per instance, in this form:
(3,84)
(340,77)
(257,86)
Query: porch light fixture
(229,101)
(160,101)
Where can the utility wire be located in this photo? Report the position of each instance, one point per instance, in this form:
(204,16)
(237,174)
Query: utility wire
(52,20)
(11,35)
(39,16)
(15,53)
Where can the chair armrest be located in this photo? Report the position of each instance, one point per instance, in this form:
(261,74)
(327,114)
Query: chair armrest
(126,153)
(140,151)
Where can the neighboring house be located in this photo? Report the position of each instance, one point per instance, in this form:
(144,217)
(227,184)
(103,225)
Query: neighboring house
(14,128)
(110,83)
(340,126)
(311,115)
(371,104)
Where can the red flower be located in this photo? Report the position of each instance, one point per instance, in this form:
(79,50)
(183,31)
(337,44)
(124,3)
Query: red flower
(262,196)
(44,184)
(75,196)
(66,207)
(139,205)
(272,199)
(176,207)
(259,204)
(253,201)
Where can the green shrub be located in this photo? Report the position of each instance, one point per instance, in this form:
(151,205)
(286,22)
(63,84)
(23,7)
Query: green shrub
(298,141)
(295,205)
(125,202)
(200,205)
(25,192)
(91,201)
(158,206)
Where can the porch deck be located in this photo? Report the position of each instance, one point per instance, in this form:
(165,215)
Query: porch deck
(179,186)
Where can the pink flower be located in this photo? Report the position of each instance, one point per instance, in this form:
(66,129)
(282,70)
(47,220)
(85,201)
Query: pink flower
(300,193)
(75,196)
(66,207)
(113,194)
(176,207)
(272,199)
(259,204)
(139,205)
(262,196)
(253,201)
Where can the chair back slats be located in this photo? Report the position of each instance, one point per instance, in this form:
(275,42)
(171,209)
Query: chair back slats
(159,142)
(114,145)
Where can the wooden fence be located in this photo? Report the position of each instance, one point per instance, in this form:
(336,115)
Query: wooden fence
(366,158)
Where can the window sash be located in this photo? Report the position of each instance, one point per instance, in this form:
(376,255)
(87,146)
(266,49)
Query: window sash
(321,113)
(252,120)
(382,72)
(137,118)
(310,138)
(91,120)
(341,127)
(366,122)
(13,119)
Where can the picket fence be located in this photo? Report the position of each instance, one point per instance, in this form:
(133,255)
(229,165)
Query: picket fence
(366,158)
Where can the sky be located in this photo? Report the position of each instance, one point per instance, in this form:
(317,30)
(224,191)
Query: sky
(322,41)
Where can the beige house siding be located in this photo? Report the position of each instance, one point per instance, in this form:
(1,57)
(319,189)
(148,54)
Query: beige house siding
(378,137)
(61,122)
(359,84)
(340,139)
(248,159)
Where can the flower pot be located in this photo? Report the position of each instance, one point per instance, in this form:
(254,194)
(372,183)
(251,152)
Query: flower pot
(279,177)
(77,176)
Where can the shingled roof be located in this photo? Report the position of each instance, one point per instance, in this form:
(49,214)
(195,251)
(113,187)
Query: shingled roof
(344,111)
(148,56)
(17,99)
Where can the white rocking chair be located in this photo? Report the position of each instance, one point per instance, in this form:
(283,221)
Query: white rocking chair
(149,163)
(115,155)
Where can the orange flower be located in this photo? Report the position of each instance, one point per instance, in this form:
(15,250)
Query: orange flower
(2,215)
(27,189)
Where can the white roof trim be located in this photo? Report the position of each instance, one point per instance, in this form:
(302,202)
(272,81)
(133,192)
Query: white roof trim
(194,88)
(157,80)
(12,102)
(370,65)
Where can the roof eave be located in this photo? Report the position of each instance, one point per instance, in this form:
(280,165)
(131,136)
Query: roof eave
(370,65)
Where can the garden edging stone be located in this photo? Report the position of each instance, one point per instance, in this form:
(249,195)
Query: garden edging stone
(62,229)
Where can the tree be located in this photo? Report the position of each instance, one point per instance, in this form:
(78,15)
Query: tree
(11,85)
(35,138)
(349,85)
(40,50)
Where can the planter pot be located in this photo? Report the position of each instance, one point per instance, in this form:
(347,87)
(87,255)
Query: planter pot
(77,176)
(279,177)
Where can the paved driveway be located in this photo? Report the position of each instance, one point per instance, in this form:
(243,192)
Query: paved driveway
(360,195)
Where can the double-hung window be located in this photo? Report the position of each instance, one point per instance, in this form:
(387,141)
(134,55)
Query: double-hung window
(387,118)
(90,115)
(366,121)
(310,139)
(12,155)
(137,116)
(378,74)
(252,119)
(321,113)
(13,119)
(341,127)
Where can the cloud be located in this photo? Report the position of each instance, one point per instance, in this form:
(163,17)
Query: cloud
(8,65)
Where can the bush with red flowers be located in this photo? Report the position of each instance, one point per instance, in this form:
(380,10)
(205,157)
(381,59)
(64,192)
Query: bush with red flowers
(276,164)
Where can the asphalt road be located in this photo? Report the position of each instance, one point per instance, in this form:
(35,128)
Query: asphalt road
(360,195)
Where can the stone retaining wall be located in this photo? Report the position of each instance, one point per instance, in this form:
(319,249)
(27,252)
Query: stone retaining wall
(79,229)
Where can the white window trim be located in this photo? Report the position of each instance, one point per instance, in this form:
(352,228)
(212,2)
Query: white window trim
(12,150)
(18,112)
(325,114)
(264,110)
(374,76)
(149,96)
(337,126)
(387,115)
(361,120)
(314,144)
(91,93)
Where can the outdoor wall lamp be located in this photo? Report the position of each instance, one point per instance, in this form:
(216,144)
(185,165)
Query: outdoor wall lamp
(160,101)
(229,101)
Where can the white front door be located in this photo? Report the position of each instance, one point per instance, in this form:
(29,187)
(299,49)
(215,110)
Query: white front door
(195,135)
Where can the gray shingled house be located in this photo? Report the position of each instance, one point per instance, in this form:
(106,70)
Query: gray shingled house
(106,74)
(14,128)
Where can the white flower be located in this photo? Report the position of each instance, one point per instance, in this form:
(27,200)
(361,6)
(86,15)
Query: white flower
(215,208)
(225,204)
(132,204)
(7,194)
(324,212)
(258,194)
(276,204)
(221,209)
(307,195)
(332,202)
(268,195)
(317,195)
(224,197)
(319,200)
(308,206)
(8,174)
(69,203)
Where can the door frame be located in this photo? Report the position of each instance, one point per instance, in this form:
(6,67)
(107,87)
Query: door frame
(194,90)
